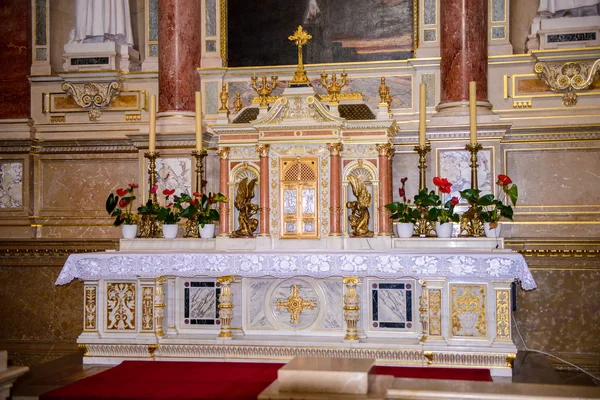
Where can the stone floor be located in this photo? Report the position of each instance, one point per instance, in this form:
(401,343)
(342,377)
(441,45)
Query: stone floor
(528,368)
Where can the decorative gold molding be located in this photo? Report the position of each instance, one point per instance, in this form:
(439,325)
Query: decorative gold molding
(152,349)
(223,153)
(335,149)
(566,77)
(223,38)
(93,96)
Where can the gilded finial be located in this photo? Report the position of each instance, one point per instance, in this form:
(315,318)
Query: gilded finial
(224,96)
(237,104)
(384,91)
(264,89)
(334,87)
(300,38)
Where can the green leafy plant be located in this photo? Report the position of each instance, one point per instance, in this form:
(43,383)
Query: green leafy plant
(119,205)
(207,214)
(401,210)
(169,214)
(442,212)
(150,208)
(490,208)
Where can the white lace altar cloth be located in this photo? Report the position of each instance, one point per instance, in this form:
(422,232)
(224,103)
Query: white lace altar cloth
(386,264)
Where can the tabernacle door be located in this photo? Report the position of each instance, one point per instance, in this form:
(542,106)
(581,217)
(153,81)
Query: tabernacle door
(299,186)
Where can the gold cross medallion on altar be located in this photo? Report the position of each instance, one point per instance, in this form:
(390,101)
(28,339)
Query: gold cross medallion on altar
(295,304)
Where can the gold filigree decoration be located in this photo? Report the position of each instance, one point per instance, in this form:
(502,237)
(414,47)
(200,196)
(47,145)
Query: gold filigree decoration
(351,307)
(264,89)
(159,306)
(502,314)
(269,99)
(120,306)
(83,348)
(384,94)
(341,97)
(223,153)
(295,304)
(429,356)
(423,303)
(147,308)
(152,349)
(300,38)
(435,312)
(243,203)
(564,78)
(93,96)
(468,311)
(90,308)
(359,219)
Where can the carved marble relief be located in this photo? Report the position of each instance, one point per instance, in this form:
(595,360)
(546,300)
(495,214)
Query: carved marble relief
(455,166)
(11,184)
(174,173)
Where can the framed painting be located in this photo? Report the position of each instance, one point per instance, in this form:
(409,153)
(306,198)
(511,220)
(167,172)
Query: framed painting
(342,31)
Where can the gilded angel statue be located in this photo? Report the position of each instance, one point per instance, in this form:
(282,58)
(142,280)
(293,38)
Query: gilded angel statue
(243,203)
(359,220)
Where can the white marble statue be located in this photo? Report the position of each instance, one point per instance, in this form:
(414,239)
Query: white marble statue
(98,21)
(569,8)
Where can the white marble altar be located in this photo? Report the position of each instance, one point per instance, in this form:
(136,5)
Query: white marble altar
(445,306)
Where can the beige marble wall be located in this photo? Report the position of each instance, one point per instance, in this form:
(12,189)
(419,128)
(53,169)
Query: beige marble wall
(62,21)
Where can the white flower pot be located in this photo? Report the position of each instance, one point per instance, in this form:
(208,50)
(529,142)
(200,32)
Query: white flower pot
(404,229)
(207,232)
(492,233)
(129,231)
(170,231)
(444,230)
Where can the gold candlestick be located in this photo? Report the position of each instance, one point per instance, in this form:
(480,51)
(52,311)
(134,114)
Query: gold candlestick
(334,87)
(422,150)
(264,89)
(191,226)
(474,149)
(148,225)
(423,227)
(471,222)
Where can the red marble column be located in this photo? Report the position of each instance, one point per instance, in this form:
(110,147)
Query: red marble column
(335,184)
(384,189)
(179,47)
(464,51)
(223,154)
(15,57)
(263,152)
(390,157)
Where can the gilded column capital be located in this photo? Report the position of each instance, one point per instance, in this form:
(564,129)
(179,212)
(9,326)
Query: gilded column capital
(391,152)
(262,150)
(335,148)
(223,153)
(383,149)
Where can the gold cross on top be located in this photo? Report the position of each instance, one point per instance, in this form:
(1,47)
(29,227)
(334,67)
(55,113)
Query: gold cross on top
(299,38)
(295,304)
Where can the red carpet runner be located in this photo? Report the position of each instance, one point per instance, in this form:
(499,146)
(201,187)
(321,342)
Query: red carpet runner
(210,380)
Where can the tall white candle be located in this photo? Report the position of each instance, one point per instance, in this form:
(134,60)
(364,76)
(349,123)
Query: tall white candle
(152,138)
(198,121)
(422,113)
(473,112)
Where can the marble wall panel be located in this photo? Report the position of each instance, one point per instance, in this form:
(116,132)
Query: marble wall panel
(563,314)
(257,288)
(174,173)
(334,305)
(405,165)
(455,165)
(80,186)
(11,184)
(556,177)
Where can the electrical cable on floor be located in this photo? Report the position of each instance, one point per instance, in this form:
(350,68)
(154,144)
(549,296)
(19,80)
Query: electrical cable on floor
(551,355)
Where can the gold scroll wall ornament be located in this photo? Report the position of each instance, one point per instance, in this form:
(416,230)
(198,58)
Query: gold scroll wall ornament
(503,314)
(93,96)
(567,77)
(148,308)
(435,312)
(295,304)
(159,306)
(243,203)
(359,219)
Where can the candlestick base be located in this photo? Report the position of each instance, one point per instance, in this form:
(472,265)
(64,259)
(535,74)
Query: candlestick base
(199,156)
(422,150)
(471,223)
